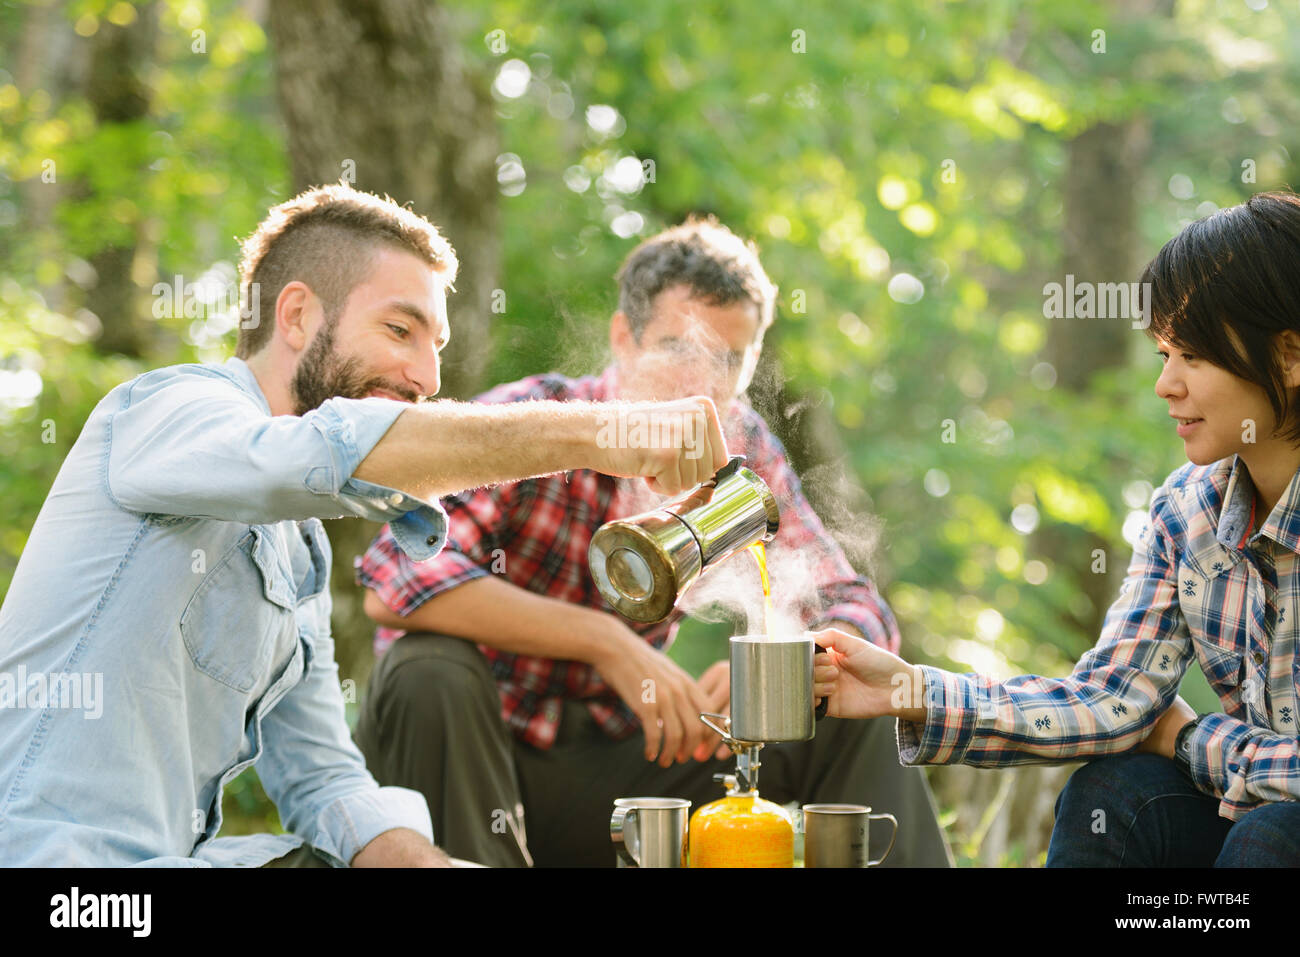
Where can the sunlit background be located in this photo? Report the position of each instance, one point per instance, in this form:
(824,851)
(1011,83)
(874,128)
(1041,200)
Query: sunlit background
(915,173)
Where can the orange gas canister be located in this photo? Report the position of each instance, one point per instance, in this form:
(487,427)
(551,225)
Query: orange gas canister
(741,830)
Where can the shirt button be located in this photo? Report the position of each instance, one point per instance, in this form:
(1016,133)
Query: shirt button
(1259,658)
(395,499)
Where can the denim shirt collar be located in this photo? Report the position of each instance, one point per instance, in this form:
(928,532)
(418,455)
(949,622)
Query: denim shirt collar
(238,370)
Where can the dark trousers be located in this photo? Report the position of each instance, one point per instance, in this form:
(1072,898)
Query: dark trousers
(431,721)
(1139,810)
(304,856)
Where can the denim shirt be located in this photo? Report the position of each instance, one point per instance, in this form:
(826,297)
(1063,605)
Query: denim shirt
(168,626)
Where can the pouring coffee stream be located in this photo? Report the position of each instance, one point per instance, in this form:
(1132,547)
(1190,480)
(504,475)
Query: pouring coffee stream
(642,565)
(760,558)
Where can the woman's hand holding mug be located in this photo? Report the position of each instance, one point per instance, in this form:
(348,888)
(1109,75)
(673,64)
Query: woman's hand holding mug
(863,680)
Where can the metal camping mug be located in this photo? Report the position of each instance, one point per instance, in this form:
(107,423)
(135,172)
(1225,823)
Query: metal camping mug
(772,689)
(650,831)
(835,835)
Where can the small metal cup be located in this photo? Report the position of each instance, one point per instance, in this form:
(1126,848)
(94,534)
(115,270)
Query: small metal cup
(835,835)
(650,831)
(772,688)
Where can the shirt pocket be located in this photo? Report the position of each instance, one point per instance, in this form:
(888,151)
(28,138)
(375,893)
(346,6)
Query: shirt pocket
(1222,669)
(233,620)
(1214,607)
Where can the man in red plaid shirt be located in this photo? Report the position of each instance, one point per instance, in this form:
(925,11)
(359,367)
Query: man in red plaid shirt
(515,688)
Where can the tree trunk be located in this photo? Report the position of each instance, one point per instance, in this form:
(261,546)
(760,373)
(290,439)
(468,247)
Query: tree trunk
(34,70)
(118,92)
(377,94)
(1100,246)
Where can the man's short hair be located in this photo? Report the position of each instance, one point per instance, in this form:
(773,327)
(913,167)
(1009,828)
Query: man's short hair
(719,267)
(327,237)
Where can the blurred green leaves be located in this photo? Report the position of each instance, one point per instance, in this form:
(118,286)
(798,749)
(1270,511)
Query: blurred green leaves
(901,165)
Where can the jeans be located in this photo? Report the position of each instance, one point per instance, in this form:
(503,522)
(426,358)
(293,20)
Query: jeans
(1140,810)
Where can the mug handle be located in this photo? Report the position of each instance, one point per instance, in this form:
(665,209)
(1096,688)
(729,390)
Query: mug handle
(823,704)
(622,820)
(892,838)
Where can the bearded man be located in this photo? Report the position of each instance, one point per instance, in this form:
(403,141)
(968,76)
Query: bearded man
(179,563)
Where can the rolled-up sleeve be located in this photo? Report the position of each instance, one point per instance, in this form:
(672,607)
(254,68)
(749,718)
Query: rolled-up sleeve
(352,821)
(194,444)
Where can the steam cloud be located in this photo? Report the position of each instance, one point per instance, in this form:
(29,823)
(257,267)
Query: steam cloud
(733,590)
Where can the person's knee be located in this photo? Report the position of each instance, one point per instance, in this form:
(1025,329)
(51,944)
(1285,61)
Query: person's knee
(1265,837)
(1102,793)
(429,646)
(1133,809)
(1132,778)
(437,674)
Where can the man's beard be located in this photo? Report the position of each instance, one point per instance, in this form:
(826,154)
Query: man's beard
(323,374)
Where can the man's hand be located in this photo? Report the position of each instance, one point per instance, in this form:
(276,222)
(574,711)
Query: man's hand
(863,680)
(401,847)
(674,445)
(662,695)
(1165,733)
(716,685)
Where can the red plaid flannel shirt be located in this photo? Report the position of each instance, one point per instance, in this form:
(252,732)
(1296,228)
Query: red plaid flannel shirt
(536,533)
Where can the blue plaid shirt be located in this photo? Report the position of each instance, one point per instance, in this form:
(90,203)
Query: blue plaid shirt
(1203,582)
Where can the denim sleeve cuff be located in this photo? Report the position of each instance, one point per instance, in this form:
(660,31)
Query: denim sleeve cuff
(418,527)
(352,428)
(951,710)
(345,424)
(351,822)
(355,426)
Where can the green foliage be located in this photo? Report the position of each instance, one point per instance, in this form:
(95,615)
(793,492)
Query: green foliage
(856,142)
(835,160)
(245,808)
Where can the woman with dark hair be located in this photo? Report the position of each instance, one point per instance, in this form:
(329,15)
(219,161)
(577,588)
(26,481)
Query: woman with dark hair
(1215,576)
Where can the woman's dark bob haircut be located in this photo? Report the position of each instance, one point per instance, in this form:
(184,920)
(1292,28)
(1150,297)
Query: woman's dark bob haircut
(1224,287)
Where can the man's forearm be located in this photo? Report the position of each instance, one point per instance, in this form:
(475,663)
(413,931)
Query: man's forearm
(400,847)
(506,617)
(437,448)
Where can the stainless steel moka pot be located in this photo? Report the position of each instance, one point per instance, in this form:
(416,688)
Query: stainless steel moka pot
(643,564)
